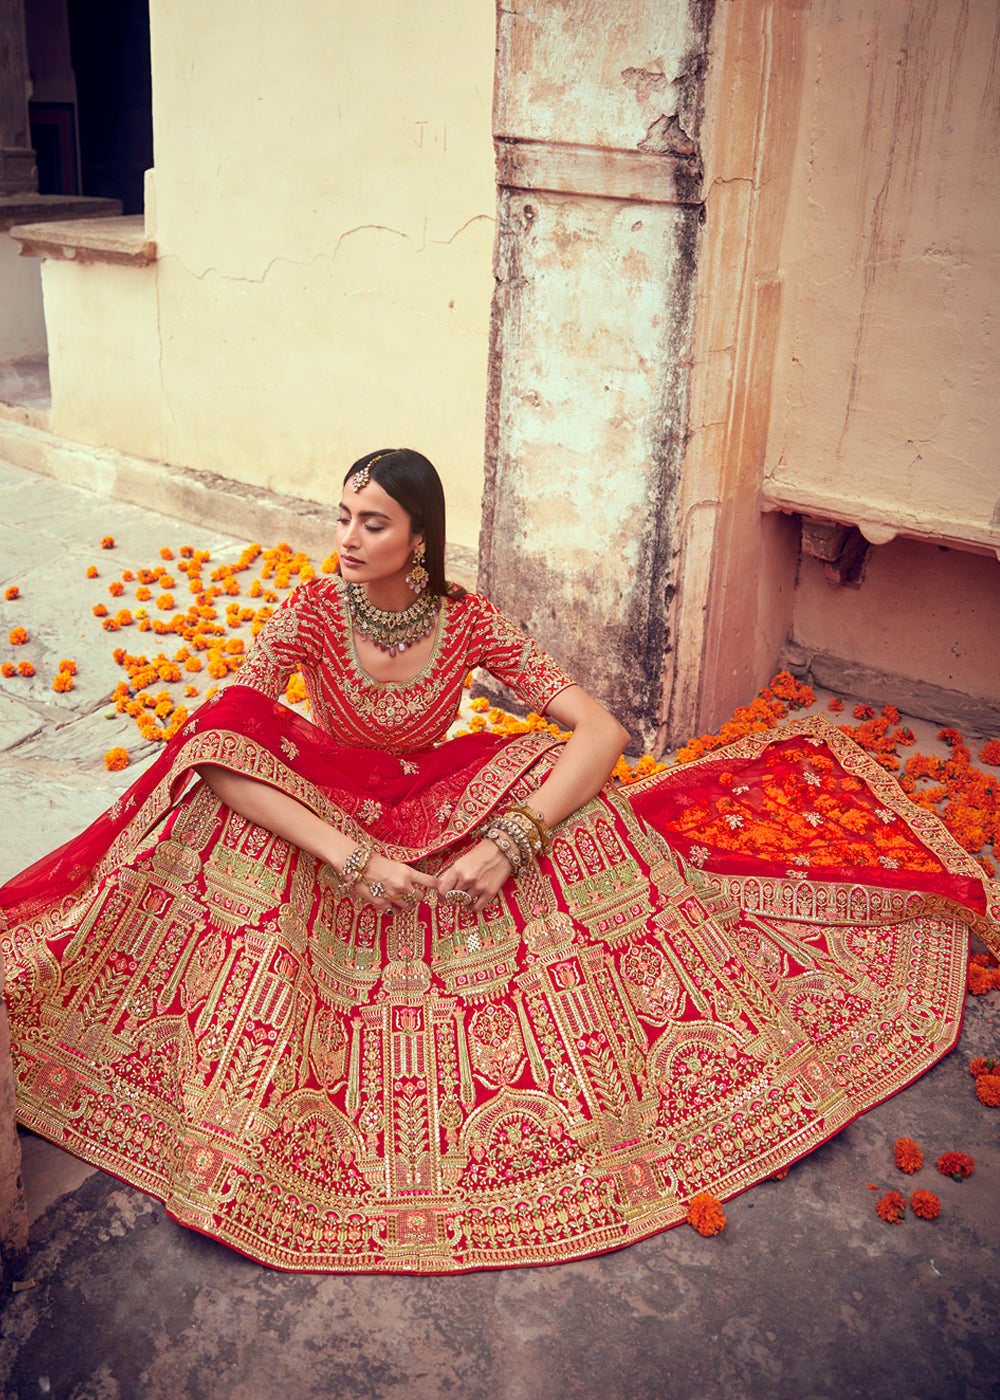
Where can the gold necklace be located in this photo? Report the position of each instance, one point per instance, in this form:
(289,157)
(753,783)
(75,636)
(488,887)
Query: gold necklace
(392,631)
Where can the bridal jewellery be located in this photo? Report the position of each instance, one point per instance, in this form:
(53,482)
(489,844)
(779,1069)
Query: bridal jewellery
(392,631)
(363,477)
(418,575)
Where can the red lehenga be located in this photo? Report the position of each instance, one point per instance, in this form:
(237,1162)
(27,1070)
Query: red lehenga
(715,970)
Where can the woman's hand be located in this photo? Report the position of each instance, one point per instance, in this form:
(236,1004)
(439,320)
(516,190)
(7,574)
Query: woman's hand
(389,884)
(480,873)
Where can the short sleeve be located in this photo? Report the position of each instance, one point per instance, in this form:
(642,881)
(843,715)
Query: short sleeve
(504,651)
(291,637)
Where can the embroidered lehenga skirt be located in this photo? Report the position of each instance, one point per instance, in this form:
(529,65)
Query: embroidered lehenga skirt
(714,971)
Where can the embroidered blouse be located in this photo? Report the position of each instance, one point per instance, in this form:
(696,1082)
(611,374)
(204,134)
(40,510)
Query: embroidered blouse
(312,632)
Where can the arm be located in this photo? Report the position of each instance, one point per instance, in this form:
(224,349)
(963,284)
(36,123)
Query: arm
(581,770)
(277,812)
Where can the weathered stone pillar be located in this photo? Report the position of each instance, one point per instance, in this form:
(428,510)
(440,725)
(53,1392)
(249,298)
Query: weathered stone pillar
(18,172)
(597,113)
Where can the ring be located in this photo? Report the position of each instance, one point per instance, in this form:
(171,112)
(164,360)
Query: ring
(410,898)
(458,897)
(376,889)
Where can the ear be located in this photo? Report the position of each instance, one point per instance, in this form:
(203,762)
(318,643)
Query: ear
(417,542)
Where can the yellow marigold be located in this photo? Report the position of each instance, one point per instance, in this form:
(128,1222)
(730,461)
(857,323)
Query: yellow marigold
(18,637)
(705,1213)
(116,759)
(907,1155)
(165,601)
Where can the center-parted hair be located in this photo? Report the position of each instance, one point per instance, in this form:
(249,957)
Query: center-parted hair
(411,480)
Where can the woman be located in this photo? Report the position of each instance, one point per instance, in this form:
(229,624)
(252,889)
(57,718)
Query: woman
(346,998)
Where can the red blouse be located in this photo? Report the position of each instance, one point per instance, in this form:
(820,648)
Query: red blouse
(312,631)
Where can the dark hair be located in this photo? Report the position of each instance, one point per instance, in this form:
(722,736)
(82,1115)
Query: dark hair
(409,478)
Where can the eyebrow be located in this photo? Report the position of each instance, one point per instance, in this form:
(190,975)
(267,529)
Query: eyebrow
(366,514)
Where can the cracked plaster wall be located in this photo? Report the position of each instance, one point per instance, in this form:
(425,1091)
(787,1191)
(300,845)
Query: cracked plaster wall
(324,215)
(884,407)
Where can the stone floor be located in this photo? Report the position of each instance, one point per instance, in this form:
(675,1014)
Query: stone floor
(805,1296)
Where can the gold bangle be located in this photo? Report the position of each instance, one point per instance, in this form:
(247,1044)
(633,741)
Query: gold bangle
(354,867)
(539,823)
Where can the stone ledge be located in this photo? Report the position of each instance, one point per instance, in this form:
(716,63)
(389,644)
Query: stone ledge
(43,208)
(120,240)
(881,523)
(232,507)
(600,172)
(912,696)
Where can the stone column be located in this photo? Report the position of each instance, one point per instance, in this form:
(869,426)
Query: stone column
(18,172)
(597,113)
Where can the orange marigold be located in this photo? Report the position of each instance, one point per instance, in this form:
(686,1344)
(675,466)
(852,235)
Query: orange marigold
(62,682)
(191,690)
(980,1065)
(957,1165)
(116,759)
(92,571)
(165,601)
(166,552)
(8,669)
(863,712)
(890,713)
(25,668)
(108,542)
(925,1205)
(116,589)
(705,1214)
(12,592)
(981,980)
(907,1155)
(836,704)
(67,665)
(18,637)
(988,1090)
(990,753)
(891,1207)
(143,594)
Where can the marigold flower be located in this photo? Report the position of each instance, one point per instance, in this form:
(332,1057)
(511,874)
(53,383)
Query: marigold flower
(116,589)
(128,576)
(980,1065)
(981,980)
(925,1205)
(143,594)
(988,1090)
(92,571)
(166,552)
(863,712)
(192,664)
(190,690)
(67,665)
(108,542)
(165,580)
(110,624)
(25,668)
(480,704)
(8,669)
(18,637)
(234,645)
(891,713)
(907,1155)
(12,592)
(62,682)
(165,601)
(705,1214)
(116,759)
(891,1207)
(186,551)
(836,704)
(957,1165)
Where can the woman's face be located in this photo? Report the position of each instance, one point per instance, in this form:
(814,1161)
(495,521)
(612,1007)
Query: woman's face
(374,536)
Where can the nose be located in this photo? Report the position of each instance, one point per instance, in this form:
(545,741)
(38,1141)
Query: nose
(348,534)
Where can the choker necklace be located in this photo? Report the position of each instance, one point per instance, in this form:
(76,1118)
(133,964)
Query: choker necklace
(392,631)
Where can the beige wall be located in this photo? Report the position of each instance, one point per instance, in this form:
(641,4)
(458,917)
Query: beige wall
(885,403)
(324,221)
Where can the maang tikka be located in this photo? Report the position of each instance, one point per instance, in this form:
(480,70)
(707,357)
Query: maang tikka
(418,575)
(361,479)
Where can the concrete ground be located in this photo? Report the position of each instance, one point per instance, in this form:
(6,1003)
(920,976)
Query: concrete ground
(805,1296)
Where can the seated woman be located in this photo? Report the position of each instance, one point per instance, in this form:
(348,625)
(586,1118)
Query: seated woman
(346,997)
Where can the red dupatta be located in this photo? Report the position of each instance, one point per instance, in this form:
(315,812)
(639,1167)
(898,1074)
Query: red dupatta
(412,804)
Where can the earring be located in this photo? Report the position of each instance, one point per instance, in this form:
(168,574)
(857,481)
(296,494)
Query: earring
(418,575)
